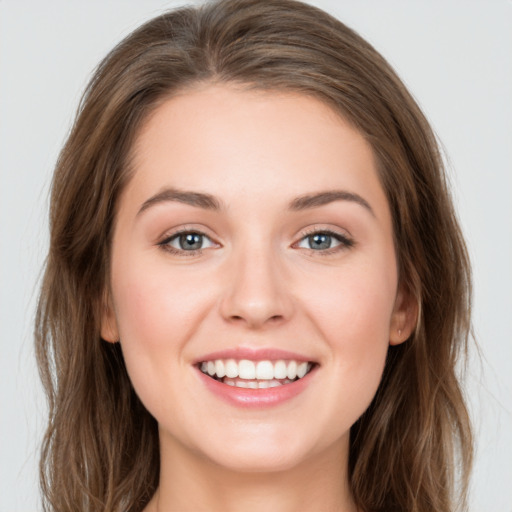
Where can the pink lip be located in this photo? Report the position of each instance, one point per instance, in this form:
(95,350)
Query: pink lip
(256,398)
(252,354)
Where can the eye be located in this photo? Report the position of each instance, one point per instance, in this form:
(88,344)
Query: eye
(187,242)
(327,241)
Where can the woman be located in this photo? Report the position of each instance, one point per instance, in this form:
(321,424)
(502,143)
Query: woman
(257,289)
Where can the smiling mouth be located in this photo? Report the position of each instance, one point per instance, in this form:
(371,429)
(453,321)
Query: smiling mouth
(245,373)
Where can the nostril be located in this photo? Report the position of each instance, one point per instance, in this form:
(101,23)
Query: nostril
(255,320)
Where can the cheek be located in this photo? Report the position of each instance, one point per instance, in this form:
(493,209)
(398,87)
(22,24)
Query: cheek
(353,311)
(154,307)
(157,311)
(353,306)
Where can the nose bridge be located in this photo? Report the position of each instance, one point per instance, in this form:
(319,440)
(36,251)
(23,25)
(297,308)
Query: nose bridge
(256,290)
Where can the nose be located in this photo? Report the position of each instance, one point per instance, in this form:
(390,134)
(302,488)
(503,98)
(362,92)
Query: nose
(256,292)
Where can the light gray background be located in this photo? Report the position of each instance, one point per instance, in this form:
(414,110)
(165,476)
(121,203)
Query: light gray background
(455,56)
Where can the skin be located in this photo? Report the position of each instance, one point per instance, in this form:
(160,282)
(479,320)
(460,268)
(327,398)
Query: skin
(258,283)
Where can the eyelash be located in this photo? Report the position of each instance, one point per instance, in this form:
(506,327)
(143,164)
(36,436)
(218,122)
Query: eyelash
(164,244)
(344,242)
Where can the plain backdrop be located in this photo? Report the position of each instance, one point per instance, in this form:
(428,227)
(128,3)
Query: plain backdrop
(456,58)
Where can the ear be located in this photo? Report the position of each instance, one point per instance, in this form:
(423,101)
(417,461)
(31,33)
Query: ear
(404,317)
(108,330)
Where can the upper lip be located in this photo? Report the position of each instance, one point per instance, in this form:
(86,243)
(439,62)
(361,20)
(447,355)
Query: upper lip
(254,354)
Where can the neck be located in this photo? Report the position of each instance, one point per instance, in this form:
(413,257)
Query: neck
(189,482)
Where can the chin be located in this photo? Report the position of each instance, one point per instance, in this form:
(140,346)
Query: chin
(261,461)
(261,451)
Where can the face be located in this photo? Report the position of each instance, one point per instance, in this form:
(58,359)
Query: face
(254,240)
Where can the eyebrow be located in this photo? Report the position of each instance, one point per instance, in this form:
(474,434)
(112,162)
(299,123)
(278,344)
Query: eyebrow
(322,198)
(210,202)
(197,199)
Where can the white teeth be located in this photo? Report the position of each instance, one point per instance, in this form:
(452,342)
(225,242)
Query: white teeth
(280,371)
(265,370)
(302,369)
(219,368)
(254,384)
(246,369)
(250,370)
(231,368)
(292,370)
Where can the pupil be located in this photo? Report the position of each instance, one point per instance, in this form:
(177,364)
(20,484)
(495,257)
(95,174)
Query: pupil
(320,241)
(190,241)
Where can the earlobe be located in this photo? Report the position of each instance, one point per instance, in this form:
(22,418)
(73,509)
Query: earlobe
(109,331)
(404,318)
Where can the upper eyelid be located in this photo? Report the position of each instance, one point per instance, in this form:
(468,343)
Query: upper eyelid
(311,230)
(170,234)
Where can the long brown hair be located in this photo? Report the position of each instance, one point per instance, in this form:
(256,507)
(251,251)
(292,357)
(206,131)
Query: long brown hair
(411,450)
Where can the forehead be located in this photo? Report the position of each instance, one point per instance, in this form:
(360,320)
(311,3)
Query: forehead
(244,145)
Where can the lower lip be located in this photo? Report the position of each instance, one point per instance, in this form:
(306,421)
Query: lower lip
(257,398)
